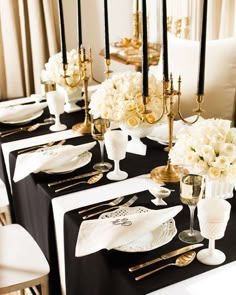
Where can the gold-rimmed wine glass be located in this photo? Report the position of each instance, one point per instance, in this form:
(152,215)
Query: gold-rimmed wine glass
(191,191)
(98,128)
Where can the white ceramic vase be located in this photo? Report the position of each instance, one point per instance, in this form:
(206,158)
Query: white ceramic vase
(135,145)
(72,96)
(218,189)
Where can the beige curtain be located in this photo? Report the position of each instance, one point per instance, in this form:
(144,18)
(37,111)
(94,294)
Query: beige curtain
(221,22)
(29,34)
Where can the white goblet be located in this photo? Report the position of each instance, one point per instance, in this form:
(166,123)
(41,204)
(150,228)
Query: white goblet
(56,102)
(213,215)
(116,143)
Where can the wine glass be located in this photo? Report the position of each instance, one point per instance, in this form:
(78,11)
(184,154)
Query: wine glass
(116,143)
(56,102)
(98,128)
(191,191)
(213,215)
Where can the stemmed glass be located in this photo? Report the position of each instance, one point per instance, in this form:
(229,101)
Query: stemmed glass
(213,215)
(99,126)
(116,144)
(191,191)
(56,102)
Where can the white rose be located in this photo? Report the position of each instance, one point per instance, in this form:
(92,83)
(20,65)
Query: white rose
(214,172)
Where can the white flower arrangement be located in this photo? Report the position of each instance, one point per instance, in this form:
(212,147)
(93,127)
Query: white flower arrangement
(54,71)
(209,148)
(119,99)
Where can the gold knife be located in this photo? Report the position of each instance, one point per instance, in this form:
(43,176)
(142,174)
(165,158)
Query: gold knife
(166,256)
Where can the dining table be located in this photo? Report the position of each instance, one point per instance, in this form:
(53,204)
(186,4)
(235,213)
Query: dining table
(53,220)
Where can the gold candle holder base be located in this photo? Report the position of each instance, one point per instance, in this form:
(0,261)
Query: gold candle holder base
(166,173)
(83,128)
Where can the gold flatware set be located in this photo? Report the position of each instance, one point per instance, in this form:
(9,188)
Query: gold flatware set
(125,205)
(181,261)
(186,256)
(111,203)
(91,180)
(29,128)
(40,146)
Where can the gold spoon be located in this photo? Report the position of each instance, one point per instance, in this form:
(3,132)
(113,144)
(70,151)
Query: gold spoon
(91,180)
(183,260)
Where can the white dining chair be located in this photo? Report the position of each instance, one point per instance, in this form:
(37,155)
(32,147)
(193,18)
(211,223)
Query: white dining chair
(5,214)
(22,263)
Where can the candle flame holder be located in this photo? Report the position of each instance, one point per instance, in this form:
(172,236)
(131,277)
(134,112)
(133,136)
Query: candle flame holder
(170,173)
(108,71)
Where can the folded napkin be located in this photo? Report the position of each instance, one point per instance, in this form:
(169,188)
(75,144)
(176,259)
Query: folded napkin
(47,159)
(20,112)
(98,234)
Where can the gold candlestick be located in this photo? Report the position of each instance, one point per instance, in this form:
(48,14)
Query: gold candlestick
(85,127)
(170,173)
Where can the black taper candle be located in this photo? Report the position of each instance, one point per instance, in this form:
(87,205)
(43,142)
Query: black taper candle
(107,43)
(201,77)
(165,42)
(144,49)
(80,40)
(62,31)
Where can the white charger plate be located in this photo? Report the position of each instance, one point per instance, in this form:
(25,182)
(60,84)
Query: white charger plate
(72,165)
(26,120)
(152,240)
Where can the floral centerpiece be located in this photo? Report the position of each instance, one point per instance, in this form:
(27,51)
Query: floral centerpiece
(119,99)
(208,148)
(54,73)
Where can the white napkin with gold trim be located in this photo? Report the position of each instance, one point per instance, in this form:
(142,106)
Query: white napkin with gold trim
(47,158)
(98,234)
(20,112)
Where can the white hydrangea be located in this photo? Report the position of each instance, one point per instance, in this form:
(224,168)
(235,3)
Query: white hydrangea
(209,148)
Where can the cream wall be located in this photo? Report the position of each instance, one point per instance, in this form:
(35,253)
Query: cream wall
(120,25)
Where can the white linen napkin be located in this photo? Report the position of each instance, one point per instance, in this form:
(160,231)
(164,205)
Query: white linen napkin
(47,159)
(20,112)
(98,234)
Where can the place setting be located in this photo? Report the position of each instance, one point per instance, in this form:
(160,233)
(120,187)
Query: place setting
(56,159)
(21,114)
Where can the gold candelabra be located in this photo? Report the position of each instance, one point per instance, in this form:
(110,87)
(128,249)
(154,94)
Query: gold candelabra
(170,173)
(85,64)
(84,61)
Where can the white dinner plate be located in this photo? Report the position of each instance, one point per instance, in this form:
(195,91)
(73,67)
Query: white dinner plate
(72,165)
(26,120)
(152,240)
